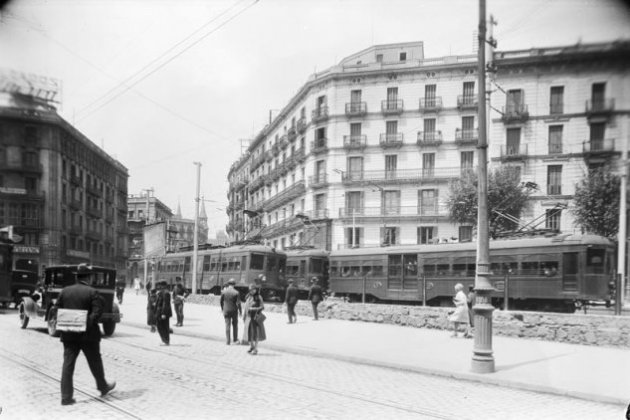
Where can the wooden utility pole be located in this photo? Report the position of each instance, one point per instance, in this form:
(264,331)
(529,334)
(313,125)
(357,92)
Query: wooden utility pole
(196,233)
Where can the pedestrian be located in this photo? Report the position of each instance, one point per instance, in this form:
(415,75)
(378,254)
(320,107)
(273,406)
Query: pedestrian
(163,312)
(460,315)
(120,289)
(136,285)
(179,296)
(254,319)
(315,296)
(231,307)
(151,303)
(471,301)
(83,297)
(290,299)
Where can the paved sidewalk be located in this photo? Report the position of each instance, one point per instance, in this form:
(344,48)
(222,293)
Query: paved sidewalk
(593,373)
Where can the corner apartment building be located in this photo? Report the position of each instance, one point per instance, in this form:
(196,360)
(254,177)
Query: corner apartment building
(64,195)
(364,153)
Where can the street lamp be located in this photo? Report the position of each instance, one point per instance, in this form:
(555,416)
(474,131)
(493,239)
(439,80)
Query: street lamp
(196,232)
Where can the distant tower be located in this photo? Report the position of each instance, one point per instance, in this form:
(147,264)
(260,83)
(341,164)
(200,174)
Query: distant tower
(178,215)
(203,217)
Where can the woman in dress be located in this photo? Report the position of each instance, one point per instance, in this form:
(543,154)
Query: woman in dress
(253,319)
(460,315)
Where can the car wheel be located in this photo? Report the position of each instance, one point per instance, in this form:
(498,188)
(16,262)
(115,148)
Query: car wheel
(23,317)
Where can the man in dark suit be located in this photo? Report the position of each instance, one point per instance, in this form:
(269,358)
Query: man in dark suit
(82,296)
(231,307)
(315,296)
(163,312)
(179,295)
(291,298)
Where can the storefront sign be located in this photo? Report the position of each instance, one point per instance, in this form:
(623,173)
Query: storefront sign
(25,249)
(78,254)
(7,190)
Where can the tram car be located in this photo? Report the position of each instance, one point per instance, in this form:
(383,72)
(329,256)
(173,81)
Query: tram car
(542,273)
(216,265)
(304,264)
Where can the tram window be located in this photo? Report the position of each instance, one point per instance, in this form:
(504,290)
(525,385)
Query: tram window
(356,271)
(429,269)
(366,270)
(317,265)
(345,271)
(257,262)
(411,265)
(243,262)
(610,258)
(206,262)
(281,265)
(377,270)
(595,260)
(231,265)
(549,268)
(395,268)
(529,267)
(292,270)
(213,264)
(504,268)
(187,264)
(271,264)
(333,269)
(443,269)
(464,270)
(224,266)
(237,265)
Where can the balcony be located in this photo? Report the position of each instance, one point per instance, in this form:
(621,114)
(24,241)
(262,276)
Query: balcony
(467,101)
(392,106)
(275,149)
(22,166)
(75,179)
(319,146)
(301,125)
(515,113)
(256,184)
(600,108)
(320,114)
(94,212)
(25,222)
(554,189)
(292,134)
(431,104)
(429,138)
(464,137)
(258,160)
(401,175)
(75,230)
(291,193)
(356,109)
(600,148)
(315,214)
(109,216)
(241,183)
(92,189)
(318,181)
(284,142)
(515,152)
(75,204)
(431,211)
(93,235)
(391,140)
(355,142)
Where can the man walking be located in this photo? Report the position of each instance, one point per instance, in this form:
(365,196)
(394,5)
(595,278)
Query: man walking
(163,312)
(83,297)
(231,307)
(179,295)
(315,296)
(291,298)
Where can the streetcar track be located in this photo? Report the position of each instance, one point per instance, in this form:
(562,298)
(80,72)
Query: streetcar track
(28,364)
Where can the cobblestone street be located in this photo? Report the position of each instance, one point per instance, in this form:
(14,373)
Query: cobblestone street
(202,378)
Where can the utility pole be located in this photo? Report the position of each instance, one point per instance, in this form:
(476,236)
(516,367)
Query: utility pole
(623,229)
(482,359)
(146,222)
(196,232)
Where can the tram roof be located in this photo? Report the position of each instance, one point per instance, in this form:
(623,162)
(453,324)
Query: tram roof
(535,242)
(231,249)
(309,252)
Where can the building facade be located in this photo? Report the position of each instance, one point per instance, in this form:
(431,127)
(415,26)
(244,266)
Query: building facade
(62,194)
(364,153)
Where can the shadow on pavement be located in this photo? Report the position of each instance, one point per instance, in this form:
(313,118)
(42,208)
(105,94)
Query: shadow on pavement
(529,362)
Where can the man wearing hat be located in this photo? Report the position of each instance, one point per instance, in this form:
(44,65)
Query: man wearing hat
(231,307)
(83,297)
(163,312)
(291,298)
(315,296)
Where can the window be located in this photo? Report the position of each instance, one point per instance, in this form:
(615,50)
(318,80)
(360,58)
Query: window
(555,139)
(429,96)
(355,96)
(355,168)
(428,164)
(552,219)
(257,261)
(391,202)
(468,128)
(465,233)
(469,93)
(379,58)
(392,98)
(355,133)
(389,235)
(354,236)
(597,134)
(598,96)
(514,101)
(513,141)
(354,203)
(429,129)
(320,137)
(426,234)
(391,163)
(320,171)
(554,179)
(403,56)
(427,202)
(320,204)
(556,100)
(466,160)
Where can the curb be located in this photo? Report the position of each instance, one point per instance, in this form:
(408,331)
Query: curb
(469,377)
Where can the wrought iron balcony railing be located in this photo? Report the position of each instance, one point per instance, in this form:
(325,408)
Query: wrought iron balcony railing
(429,138)
(598,146)
(285,196)
(434,210)
(356,109)
(319,146)
(433,104)
(513,152)
(411,175)
(318,181)
(466,136)
(355,141)
(600,106)
(515,113)
(467,101)
(301,125)
(320,114)
(391,140)
(392,106)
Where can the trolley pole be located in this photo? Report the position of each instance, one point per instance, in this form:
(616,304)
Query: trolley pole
(196,233)
(482,359)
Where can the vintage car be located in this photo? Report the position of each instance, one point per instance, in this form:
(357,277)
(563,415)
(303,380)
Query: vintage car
(42,303)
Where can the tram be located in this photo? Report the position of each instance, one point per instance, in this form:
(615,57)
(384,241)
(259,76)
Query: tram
(554,273)
(216,265)
(305,263)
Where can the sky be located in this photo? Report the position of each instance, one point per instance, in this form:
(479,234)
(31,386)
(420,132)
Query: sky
(160,84)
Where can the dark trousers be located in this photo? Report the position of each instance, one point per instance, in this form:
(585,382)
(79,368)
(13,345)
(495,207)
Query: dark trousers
(315,309)
(179,311)
(164,330)
(291,312)
(92,352)
(231,320)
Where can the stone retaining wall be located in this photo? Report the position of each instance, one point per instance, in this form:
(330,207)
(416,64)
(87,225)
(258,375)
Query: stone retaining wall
(598,330)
